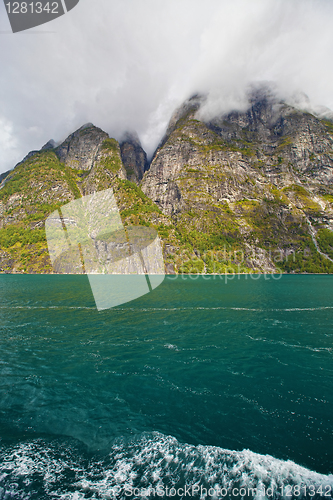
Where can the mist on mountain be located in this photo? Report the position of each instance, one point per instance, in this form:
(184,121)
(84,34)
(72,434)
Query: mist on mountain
(128,65)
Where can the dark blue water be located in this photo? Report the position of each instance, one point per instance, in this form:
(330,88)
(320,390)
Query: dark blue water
(199,382)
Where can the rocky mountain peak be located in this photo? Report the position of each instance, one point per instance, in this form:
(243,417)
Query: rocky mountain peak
(49,145)
(133,156)
(187,110)
(79,150)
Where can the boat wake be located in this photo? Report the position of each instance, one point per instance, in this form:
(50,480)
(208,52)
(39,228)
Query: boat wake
(151,465)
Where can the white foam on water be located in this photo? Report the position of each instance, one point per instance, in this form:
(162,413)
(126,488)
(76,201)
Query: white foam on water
(223,308)
(294,346)
(58,470)
(47,307)
(152,309)
(171,346)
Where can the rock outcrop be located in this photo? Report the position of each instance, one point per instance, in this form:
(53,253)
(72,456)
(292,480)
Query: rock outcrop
(80,149)
(257,177)
(271,143)
(134,157)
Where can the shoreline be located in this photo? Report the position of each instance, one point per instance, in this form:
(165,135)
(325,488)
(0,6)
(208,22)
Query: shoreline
(168,274)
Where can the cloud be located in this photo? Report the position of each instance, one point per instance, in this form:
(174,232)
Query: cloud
(8,142)
(126,64)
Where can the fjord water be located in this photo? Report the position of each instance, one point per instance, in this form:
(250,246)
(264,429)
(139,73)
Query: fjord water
(201,381)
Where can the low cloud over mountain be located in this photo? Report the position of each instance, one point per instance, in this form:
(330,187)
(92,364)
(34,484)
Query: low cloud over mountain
(126,65)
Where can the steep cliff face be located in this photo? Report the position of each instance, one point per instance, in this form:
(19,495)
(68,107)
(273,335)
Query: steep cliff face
(134,157)
(262,178)
(87,161)
(240,192)
(272,143)
(80,149)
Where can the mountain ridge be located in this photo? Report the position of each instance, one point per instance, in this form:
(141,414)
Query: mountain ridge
(242,192)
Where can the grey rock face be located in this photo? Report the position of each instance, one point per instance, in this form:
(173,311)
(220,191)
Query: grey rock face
(6,262)
(239,155)
(134,157)
(186,111)
(275,128)
(259,178)
(80,149)
(107,166)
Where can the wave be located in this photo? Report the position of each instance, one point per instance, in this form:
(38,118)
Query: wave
(151,465)
(47,307)
(293,346)
(153,309)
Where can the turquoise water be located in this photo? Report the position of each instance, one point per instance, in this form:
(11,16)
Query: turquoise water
(199,382)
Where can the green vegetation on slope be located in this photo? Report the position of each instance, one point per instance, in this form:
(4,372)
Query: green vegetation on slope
(325,241)
(263,228)
(32,191)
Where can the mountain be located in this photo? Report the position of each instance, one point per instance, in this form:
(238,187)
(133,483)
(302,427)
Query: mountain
(245,191)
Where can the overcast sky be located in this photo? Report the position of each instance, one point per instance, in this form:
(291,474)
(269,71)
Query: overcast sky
(126,64)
